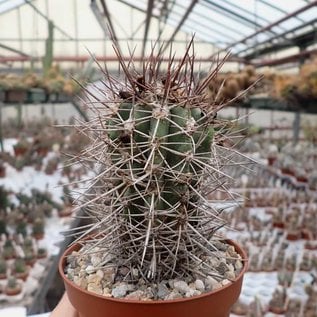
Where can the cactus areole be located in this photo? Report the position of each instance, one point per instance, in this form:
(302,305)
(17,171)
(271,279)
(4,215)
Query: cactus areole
(158,149)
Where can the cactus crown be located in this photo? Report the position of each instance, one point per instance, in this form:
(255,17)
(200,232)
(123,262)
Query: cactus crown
(158,148)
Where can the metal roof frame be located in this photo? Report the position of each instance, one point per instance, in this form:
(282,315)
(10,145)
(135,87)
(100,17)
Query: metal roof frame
(246,11)
(177,29)
(108,17)
(149,10)
(301,40)
(193,16)
(231,14)
(205,25)
(271,25)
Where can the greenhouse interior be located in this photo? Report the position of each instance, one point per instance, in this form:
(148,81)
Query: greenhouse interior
(158,152)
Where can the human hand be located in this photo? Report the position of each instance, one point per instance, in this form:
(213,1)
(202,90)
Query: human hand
(64,308)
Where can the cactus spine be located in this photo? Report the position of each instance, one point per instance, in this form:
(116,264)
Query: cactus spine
(155,142)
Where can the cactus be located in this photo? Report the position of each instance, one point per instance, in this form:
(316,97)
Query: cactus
(160,151)
(20,265)
(3,267)
(12,282)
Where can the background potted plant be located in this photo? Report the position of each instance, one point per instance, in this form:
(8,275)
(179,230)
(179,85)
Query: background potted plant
(2,169)
(38,228)
(13,287)
(20,269)
(16,90)
(3,86)
(22,146)
(21,227)
(3,225)
(3,269)
(153,248)
(41,253)
(8,250)
(35,94)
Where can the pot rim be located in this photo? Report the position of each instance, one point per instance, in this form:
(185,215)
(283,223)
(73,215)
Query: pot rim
(238,248)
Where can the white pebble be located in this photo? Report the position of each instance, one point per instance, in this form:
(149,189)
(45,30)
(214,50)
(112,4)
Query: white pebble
(94,288)
(210,282)
(94,278)
(136,295)
(218,285)
(95,260)
(191,292)
(173,295)
(199,285)
(90,269)
(238,265)
(80,281)
(106,292)
(100,274)
(225,282)
(229,275)
(181,286)
(119,291)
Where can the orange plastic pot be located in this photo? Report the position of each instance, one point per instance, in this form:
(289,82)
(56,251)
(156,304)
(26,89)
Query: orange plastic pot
(216,303)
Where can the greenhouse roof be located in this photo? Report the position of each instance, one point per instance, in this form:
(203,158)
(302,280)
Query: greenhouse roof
(264,32)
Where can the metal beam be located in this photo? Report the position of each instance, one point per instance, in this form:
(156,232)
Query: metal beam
(99,39)
(157,17)
(95,9)
(132,6)
(207,28)
(14,50)
(13,8)
(272,6)
(154,15)
(285,60)
(149,10)
(165,10)
(227,27)
(232,14)
(82,59)
(5,63)
(271,25)
(240,7)
(47,19)
(301,26)
(188,11)
(107,15)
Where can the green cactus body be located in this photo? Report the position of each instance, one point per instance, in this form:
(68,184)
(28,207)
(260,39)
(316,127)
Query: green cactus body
(155,150)
(157,145)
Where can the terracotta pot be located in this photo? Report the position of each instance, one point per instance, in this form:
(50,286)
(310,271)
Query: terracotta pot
(36,95)
(13,291)
(31,262)
(42,151)
(287,171)
(271,160)
(277,310)
(66,212)
(22,275)
(306,234)
(15,96)
(19,151)
(2,95)
(215,303)
(292,236)
(302,179)
(310,246)
(38,236)
(2,171)
(42,255)
(279,225)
